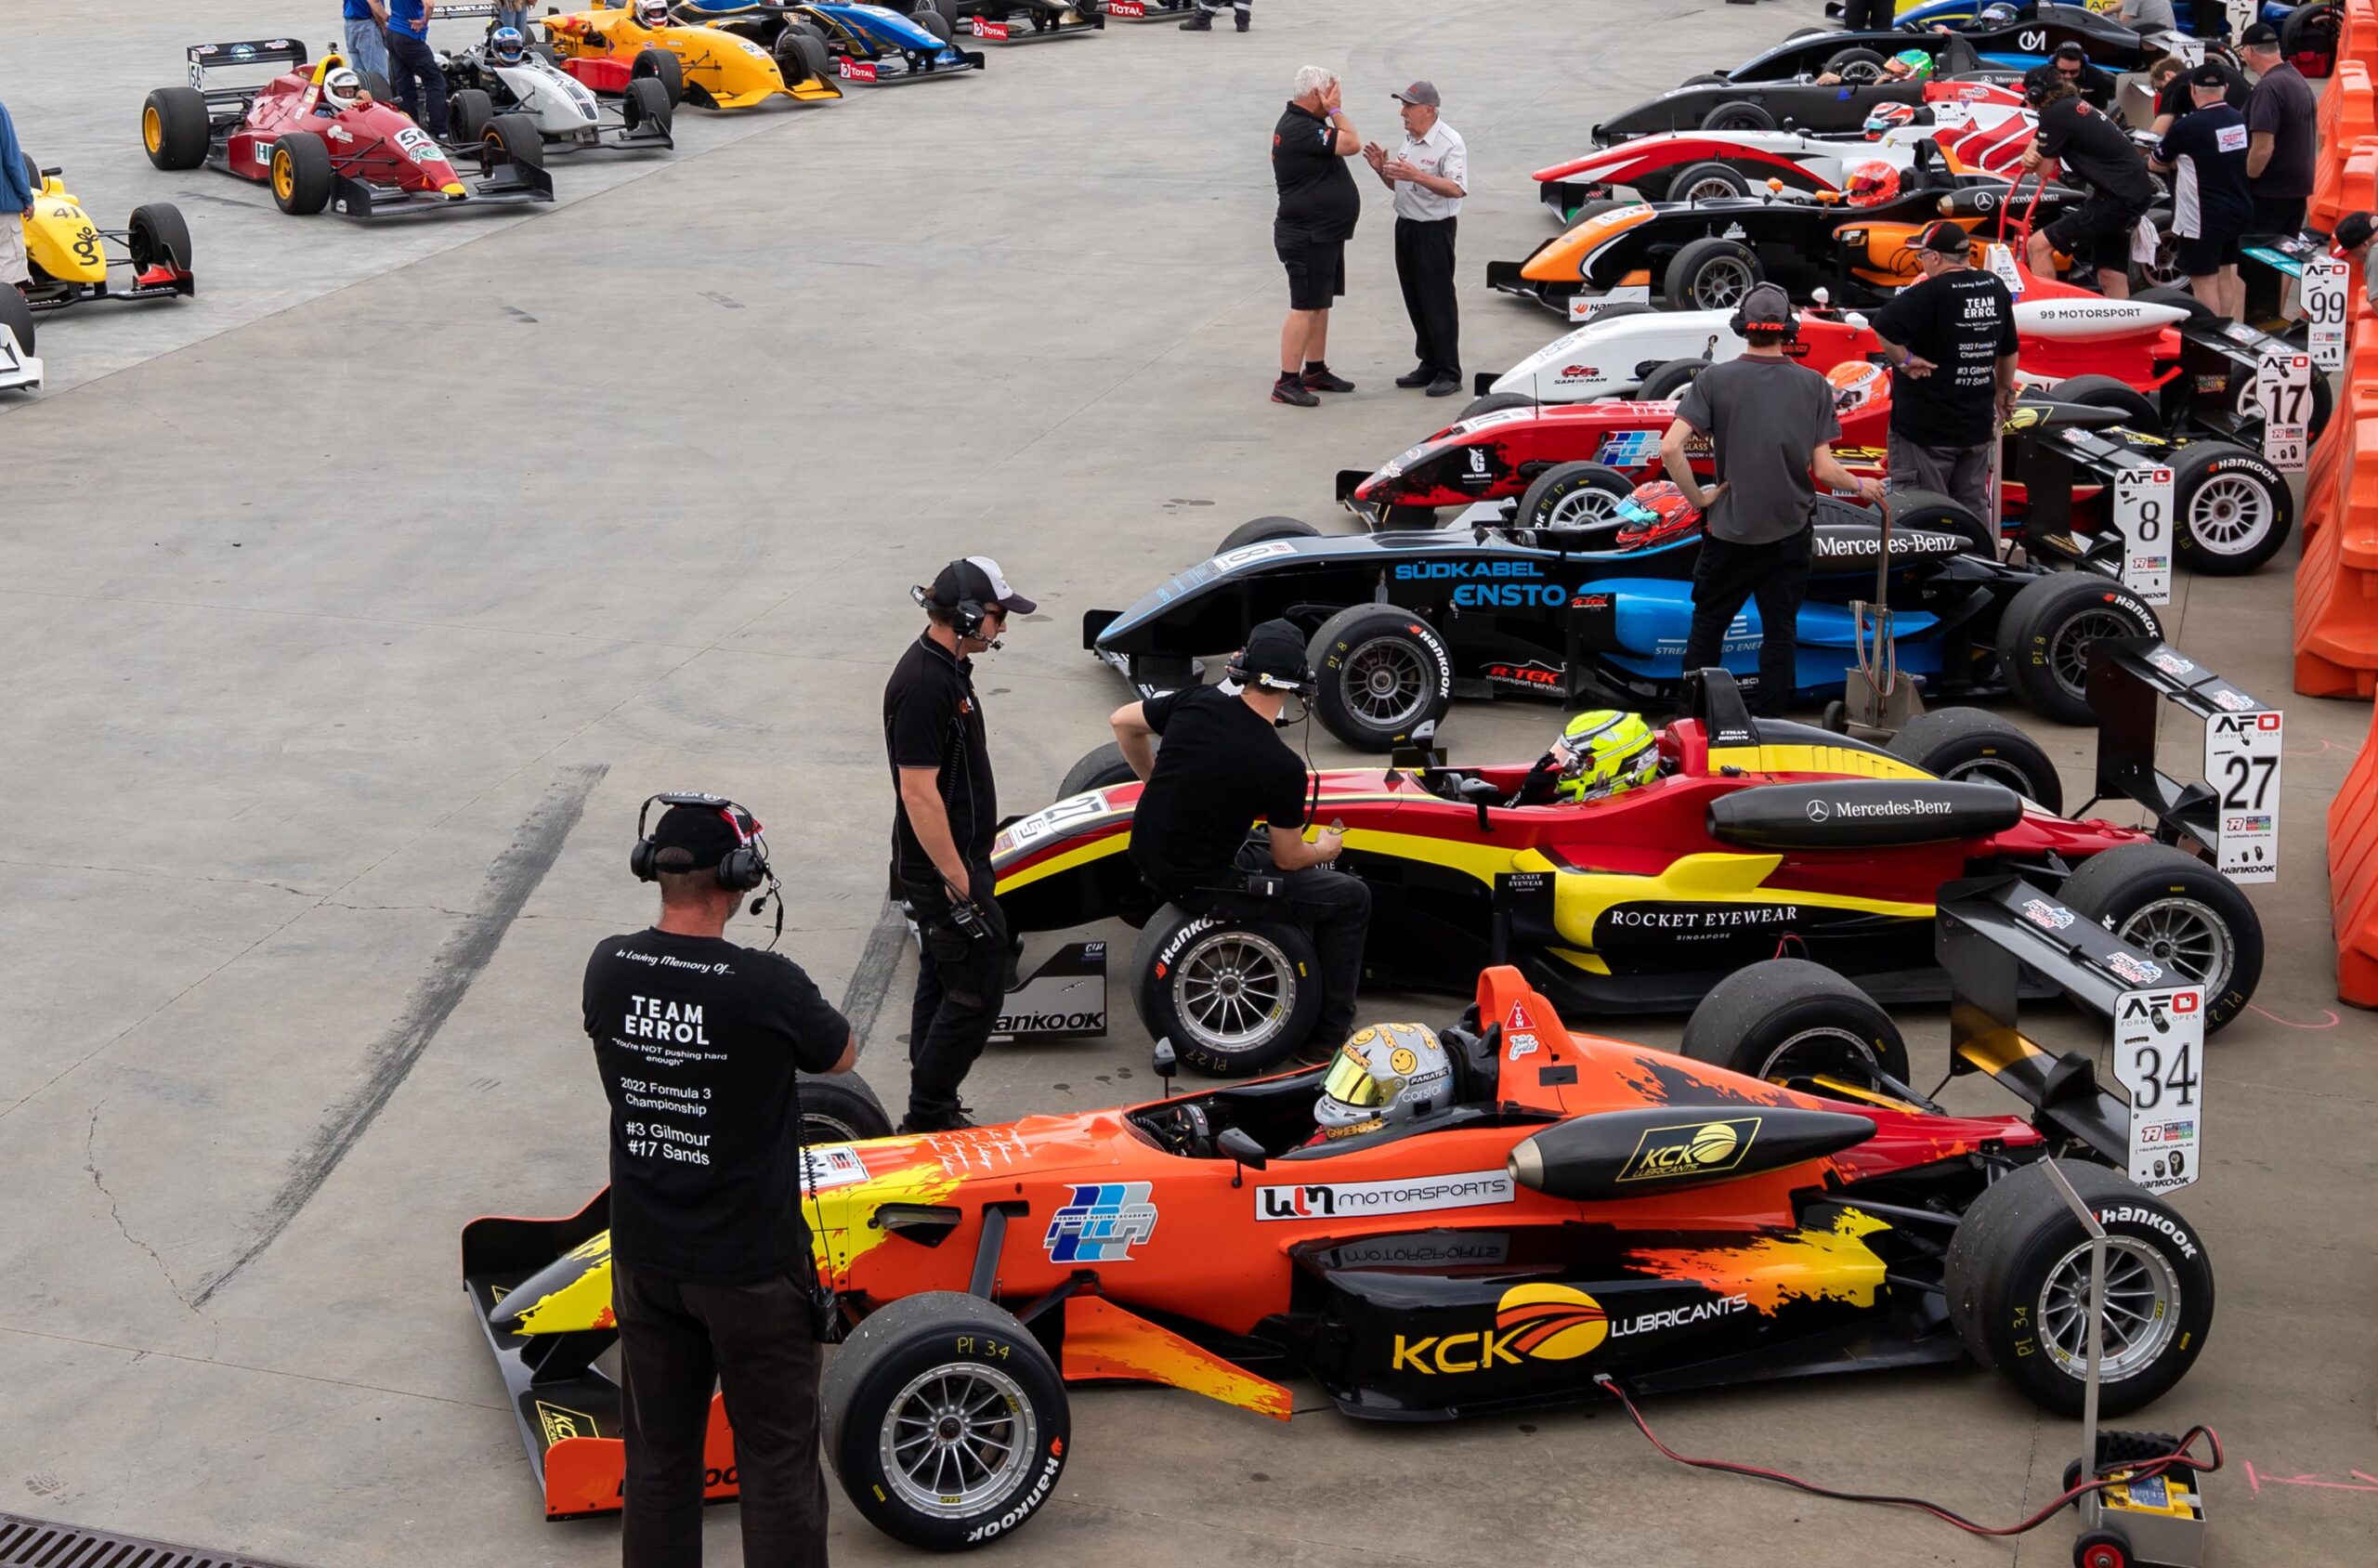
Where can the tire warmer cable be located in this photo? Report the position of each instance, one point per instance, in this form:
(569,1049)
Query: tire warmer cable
(2145,1470)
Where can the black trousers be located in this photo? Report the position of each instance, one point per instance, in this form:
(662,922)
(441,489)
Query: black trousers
(757,1345)
(961,983)
(412,69)
(1868,16)
(2279,214)
(1776,575)
(1334,905)
(1424,266)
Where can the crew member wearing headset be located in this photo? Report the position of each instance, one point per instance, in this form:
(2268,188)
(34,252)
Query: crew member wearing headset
(698,1040)
(945,814)
(1223,765)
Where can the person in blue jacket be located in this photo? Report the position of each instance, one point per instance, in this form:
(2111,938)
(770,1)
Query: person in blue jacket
(366,36)
(15,199)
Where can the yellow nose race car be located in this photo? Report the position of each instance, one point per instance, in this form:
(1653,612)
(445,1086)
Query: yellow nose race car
(607,46)
(70,257)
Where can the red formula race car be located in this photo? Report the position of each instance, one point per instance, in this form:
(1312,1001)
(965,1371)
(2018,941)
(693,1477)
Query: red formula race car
(365,160)
(1567,1212)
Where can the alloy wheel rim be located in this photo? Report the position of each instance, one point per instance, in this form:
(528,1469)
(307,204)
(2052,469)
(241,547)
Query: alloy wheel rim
(1815,1050)
(1385,681)
(1584,507)
(2069,653)
(958,1439)
(2186,935)
(2142,1308)
(1710,190)
(1991,770)
(2230,513)
(1721,282)
(1232,990)
(153,129)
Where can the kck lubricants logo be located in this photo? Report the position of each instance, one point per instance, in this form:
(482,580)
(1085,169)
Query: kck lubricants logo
(1534,1321)
(1696,1148)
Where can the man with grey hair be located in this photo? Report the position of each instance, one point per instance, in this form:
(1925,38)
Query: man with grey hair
(1318,209)
(1208,9)
(1430,174)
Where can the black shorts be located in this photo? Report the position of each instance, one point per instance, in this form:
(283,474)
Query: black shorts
(2204,257)
(1316,270)
(2096,233)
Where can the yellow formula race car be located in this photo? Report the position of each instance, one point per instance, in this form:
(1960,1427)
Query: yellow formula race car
(607,46)
(70,257)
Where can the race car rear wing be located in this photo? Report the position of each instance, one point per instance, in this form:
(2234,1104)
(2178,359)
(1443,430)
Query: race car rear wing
(2233,814)
(204,58)
(1992,935)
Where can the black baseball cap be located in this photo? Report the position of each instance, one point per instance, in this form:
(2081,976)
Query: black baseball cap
(2353,229)
(2261,36)
(1945,238)
(1275,648)
(2209,75)
(708,834)
(978,577)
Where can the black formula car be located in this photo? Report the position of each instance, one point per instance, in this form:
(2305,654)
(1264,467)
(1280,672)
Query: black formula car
(2015,42)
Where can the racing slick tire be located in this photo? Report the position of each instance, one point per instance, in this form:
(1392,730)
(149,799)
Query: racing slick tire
(1970,745)
(800,57)
(924,1364)
(512,139)
(933,21)
(663,68)
(467,113)
(18,317)
(174,127)
(300,174)
(2312,30)
(1711,274)
(1573,495)
(1258,530)
(1706,181)
(377,85)
(2016,1278)
(1855,67)
(1234,996)
(1380,671)
(1495,402)
(1096,768)
(158,237)
(1670,379)
(2105,392)
(2182,914)
(842,1109)
(1931,509)
(2044,635)
(1787,1020)
(645,106)
(1706,79)
(2230,510)
(1739,116)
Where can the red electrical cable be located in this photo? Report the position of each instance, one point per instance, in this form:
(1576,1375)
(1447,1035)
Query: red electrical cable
(2145,1470)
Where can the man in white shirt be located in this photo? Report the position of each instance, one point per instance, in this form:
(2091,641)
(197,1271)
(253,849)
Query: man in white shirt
(1430,174)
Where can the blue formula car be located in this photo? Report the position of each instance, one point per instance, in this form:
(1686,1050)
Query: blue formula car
(869,45)
(1401,622)
(2308,34)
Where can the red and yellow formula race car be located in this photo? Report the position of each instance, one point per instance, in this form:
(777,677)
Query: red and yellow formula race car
(1570,1208)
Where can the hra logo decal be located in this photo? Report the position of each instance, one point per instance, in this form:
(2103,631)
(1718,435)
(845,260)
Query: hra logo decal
(833,1165)
(1692,1148)
(1101,1224)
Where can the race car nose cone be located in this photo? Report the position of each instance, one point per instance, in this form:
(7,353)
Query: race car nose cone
(452,188)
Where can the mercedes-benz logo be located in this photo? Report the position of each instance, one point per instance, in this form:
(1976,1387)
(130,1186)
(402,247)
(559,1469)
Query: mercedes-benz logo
(1816,811)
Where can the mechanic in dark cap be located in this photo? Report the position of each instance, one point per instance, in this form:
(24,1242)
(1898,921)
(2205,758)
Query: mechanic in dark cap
(2099,155)
(2283,141)
(1771,427)
(2205,155)
(1223,765)
(2352,244)
(1951,345)
(698,1040)
(945,814)
(2072,62)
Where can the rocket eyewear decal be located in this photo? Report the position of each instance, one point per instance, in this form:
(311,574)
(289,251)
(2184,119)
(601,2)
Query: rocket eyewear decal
(1702,1148)
(1101,1224)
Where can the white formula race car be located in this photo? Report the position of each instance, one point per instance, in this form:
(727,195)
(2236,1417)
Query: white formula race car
(19,372)
(484,81)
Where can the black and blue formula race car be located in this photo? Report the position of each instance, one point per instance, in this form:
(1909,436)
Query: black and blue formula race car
(871,44)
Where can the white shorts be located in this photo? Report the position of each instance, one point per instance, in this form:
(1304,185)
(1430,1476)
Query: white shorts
(13,269)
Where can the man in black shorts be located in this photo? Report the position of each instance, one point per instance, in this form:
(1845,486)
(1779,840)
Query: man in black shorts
(2096,153)
(1222,766)
(712,1279)
(2204,154)
(1951,339)
(1319,206)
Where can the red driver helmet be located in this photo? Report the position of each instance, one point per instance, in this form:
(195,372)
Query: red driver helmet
(1655,514)
(1889,117)
(1870,184)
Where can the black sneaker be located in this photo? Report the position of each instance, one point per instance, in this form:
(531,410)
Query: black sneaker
(1287,390)
(1318,1048)
(1318,379)
(1444,386)
(1243,20)
(1201,23)
(1420,375)
(959,1120)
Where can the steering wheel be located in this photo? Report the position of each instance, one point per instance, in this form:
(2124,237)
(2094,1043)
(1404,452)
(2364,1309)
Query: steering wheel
(1198,1140)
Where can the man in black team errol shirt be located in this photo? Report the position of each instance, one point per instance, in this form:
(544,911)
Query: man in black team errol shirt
(697,1039)
(1221,766)
(1952,339)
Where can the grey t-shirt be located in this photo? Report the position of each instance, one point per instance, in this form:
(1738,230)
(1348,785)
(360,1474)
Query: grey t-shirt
(2146,17)
(1764,418)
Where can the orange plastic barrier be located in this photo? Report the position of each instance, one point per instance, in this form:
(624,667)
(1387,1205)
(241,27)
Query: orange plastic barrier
(2353,876)
(2336,582)
(2358,34)
(2348,120)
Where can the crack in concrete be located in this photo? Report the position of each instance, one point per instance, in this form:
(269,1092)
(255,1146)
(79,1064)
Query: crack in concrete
(139,1353)
(115,1212)
(174,876)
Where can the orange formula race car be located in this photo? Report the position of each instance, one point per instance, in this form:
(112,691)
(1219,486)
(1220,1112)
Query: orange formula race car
(1561,1211)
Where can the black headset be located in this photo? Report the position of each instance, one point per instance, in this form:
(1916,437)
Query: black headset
(966,617)
(1740,320)
(744,867)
